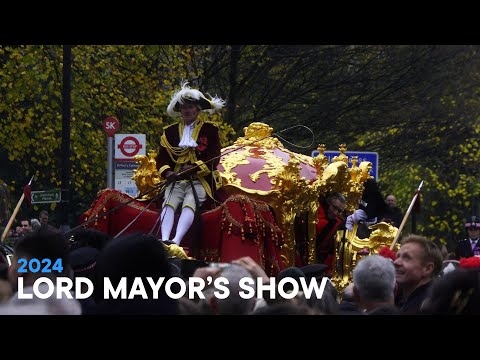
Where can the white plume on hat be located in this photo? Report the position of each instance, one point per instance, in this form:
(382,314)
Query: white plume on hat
(211,105)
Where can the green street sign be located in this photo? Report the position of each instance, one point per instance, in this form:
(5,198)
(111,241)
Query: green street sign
(49,196)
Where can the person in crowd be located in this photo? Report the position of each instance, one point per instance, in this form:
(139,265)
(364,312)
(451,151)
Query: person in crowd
(456,293)
(393,214)
(469,246)
(316,271)
(448,266)
(85,237)
(348,304)
(5,287)
(372,206)
(40,245)
(233,304)
(43,217)
(292,273)
(24,228)
(128,259)
(418,262)
(83,261)
(328,303)
(36,225)
(286,308)
(187,158)
(329,220)
(374,282)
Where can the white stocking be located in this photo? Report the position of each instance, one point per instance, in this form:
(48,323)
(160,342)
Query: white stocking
(184,223)
(167,218)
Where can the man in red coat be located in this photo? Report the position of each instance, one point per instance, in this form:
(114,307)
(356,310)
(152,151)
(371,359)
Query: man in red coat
(188,156)
(329,220)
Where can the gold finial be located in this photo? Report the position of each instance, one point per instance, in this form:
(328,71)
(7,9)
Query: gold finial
(342,156)
(354,161)
(321,161)
(258,134)
(257,131)
(321,149)
(355,172)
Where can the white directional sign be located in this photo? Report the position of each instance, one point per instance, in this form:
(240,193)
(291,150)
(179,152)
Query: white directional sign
(49,196)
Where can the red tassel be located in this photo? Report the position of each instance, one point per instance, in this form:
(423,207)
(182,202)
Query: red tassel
(27,191)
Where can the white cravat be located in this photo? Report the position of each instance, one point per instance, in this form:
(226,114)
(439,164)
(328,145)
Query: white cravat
(473,243)
(186,140)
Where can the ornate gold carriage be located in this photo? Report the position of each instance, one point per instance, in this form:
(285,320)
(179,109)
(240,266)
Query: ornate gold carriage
(259,166)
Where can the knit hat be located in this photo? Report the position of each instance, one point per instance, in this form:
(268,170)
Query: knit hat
(187,94)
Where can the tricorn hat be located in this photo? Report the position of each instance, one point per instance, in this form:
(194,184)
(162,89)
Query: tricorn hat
(83,261)
(473,222)
(187,94)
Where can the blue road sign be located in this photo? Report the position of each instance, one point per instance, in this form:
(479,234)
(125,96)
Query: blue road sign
(362,156)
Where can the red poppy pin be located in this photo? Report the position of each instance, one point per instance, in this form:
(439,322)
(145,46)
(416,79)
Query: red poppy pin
(202,143)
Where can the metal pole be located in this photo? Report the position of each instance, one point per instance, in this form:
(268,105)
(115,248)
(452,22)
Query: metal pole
(110,162)
(66,117)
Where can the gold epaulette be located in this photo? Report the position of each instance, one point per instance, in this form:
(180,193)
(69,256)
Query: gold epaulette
(167,126)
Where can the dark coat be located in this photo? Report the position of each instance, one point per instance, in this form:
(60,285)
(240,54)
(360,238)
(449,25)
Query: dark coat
(414,302)
(464,249)
(392,215)
(372,201)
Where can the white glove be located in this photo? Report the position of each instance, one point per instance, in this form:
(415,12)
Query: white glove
(357,216)
(349,223)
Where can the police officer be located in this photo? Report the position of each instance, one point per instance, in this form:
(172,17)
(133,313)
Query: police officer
(470,246)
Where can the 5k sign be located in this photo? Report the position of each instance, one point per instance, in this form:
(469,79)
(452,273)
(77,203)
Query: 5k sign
(111,126)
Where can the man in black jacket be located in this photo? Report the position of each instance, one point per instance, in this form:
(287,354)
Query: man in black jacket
(470,246)
(418,262)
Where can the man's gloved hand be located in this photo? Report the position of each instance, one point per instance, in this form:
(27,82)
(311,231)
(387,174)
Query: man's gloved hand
(171,176)
(357,216)
(187,171)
